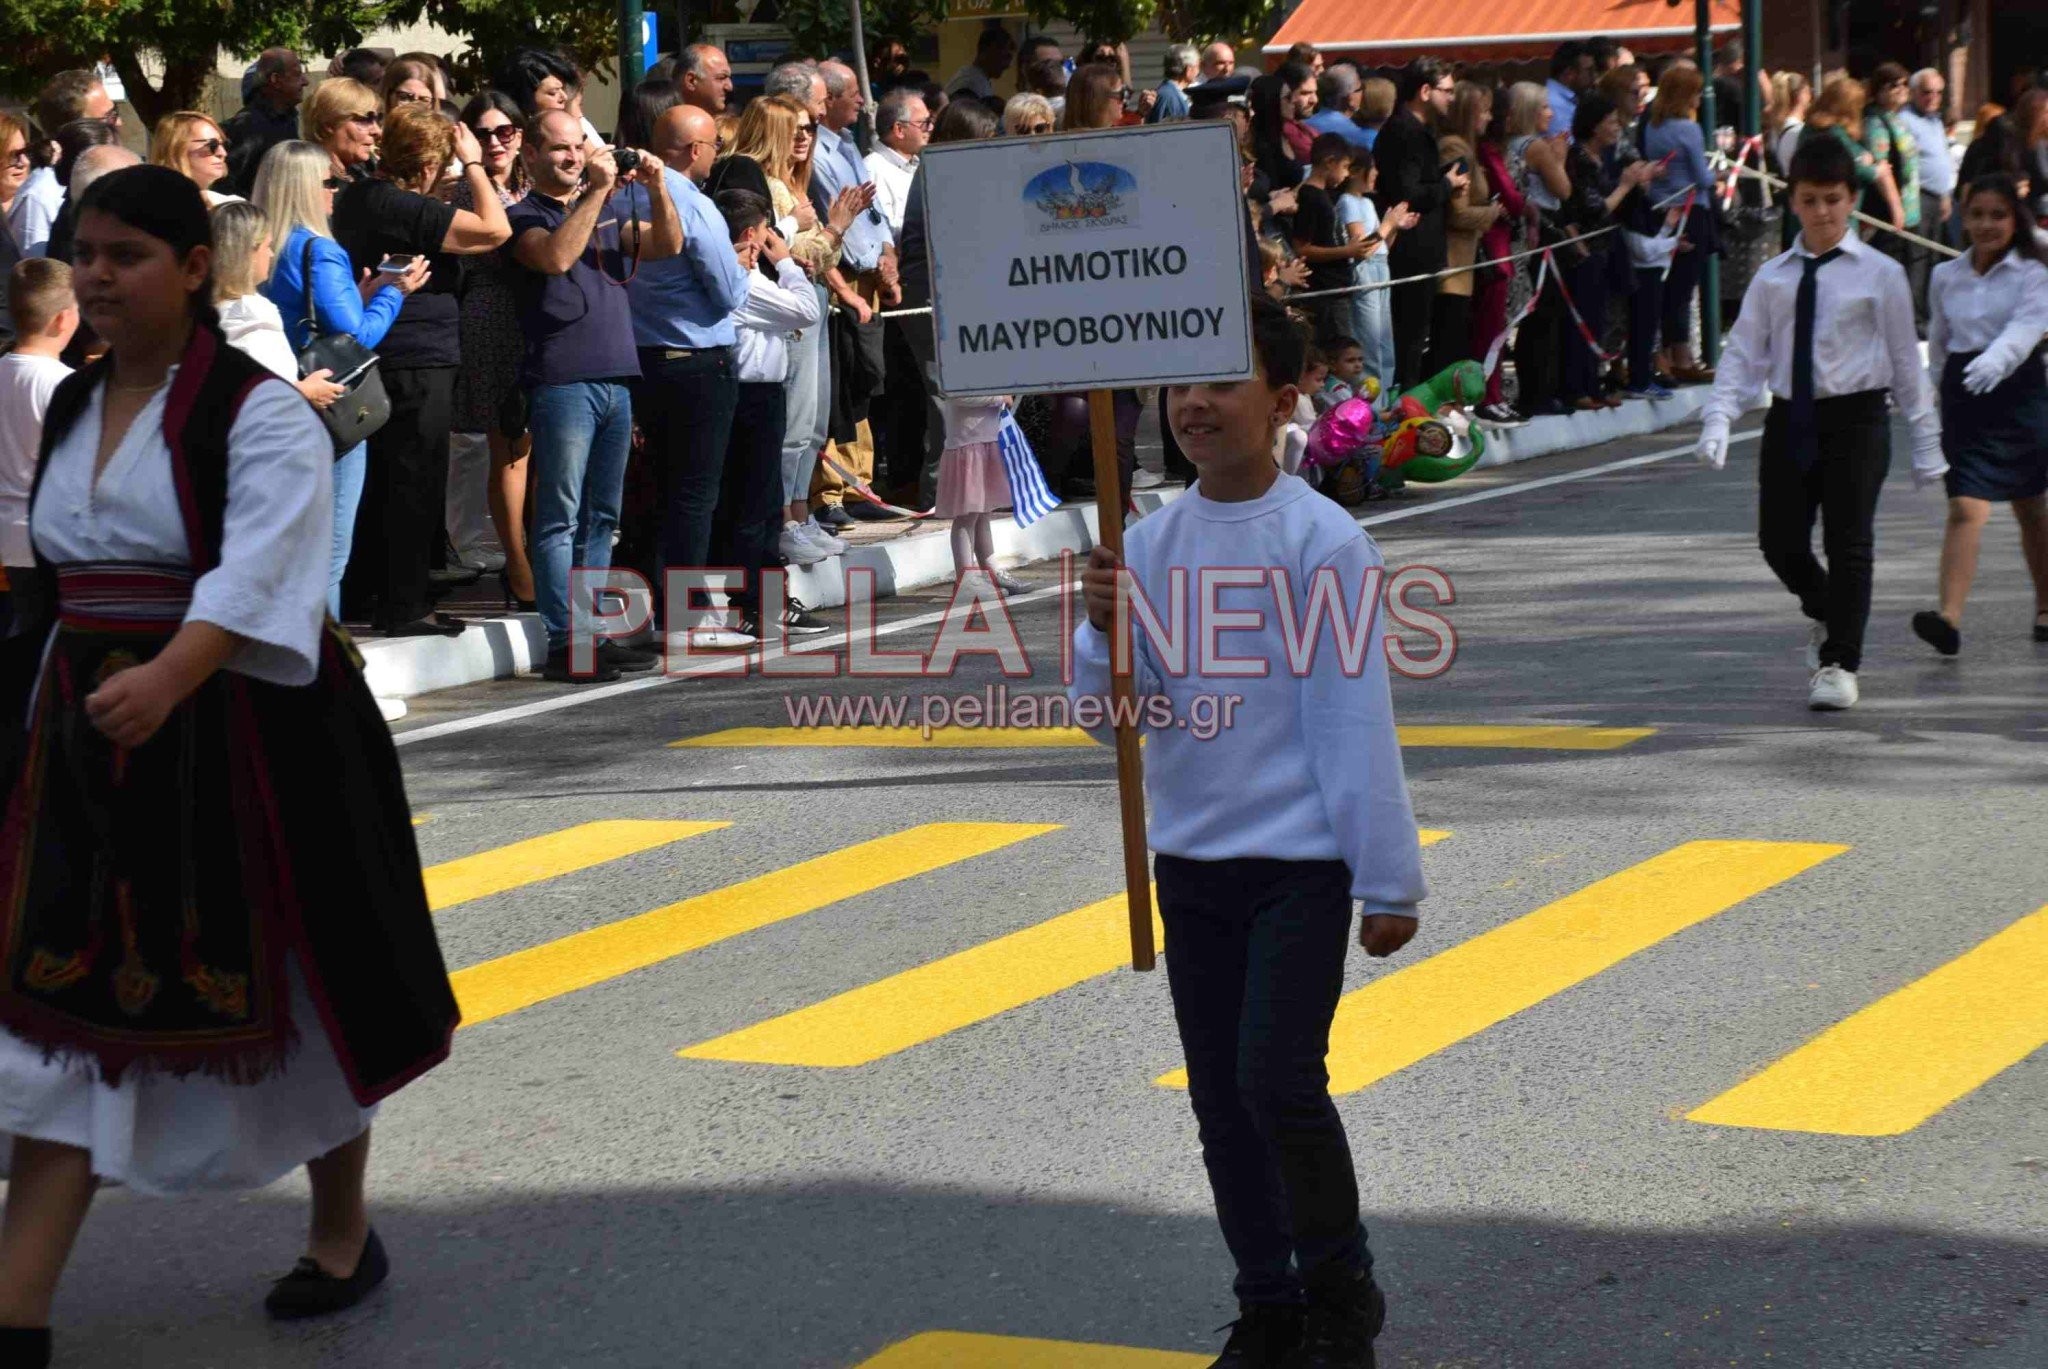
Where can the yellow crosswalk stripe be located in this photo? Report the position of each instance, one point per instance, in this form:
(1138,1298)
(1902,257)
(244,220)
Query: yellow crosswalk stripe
(1413,1013)
(890,1015)
(577,961)
(1527,738)
(556,853)
(965,1350)
(1907,1056)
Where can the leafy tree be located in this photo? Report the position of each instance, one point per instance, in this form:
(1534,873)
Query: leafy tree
(820,27)
(1099,21)
(39,38)
(587,30)
(1118,21)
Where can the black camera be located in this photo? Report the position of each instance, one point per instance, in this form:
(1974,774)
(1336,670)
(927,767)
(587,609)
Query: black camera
(627,160)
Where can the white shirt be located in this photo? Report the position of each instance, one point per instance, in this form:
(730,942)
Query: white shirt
(271,584)
(892,173)
(34,210)
(772,310)
(1309,767)
(253,326)
(26,384)
(2003,313)
(972,419)
(971,80)
(1863,339)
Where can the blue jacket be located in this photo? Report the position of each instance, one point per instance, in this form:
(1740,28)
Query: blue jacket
(1688,168)
(337,302)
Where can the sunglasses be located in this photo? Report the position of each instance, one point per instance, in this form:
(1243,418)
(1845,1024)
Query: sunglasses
(333,183)
(209,147)
(19,157)
(804,130)
(503,133)
(364,120)
(1038,128)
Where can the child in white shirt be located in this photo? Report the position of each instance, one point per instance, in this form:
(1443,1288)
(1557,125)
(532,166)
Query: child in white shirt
(1268,818)
(45,316)
(749,526)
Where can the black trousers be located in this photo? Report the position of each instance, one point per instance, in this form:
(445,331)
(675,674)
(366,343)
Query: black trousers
(684,405)
(1581,369)
(1644,304)
(1536,354)
(402,517)
(1450,333)
(1853,452)
(749,516)
(898,415)
(923,342)
(1412,306)
(1255,963)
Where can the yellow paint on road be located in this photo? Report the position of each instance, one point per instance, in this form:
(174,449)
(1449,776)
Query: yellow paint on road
(577,961)
(965,1350)
(544,857)
(1907,1056)
(1413,1013)
(1525,738)
(890,1015)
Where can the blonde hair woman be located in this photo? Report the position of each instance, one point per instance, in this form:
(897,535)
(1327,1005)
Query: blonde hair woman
(1791,98)
(295,192)
(242,258)
(344,117)
(192,145)
(1028,115)
(778,133)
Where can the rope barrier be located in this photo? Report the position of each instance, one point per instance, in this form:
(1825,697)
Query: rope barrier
(1780,183)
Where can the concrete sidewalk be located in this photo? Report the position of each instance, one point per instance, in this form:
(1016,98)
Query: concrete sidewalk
(500,646)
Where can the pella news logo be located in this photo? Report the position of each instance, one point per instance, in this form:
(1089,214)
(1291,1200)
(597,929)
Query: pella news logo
(1076,196)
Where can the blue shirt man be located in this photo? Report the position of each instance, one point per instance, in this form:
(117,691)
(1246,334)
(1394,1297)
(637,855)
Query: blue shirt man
(688,300)
(837,166)
(1338,122)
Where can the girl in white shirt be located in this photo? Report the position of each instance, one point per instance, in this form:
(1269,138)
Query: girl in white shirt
(972,484)
(242,253)
(1987,317)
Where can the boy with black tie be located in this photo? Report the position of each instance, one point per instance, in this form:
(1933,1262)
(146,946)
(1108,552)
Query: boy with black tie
(1828,327)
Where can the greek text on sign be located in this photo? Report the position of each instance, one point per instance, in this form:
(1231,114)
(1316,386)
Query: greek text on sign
(1089,260)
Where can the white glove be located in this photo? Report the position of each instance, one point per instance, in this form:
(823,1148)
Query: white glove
(1713,448)
(1983,373)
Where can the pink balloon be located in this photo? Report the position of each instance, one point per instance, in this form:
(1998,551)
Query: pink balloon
(1342,433)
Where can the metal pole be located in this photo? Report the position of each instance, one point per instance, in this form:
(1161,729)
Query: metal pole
(1710,277)
(632,57)
(860,74)
(1753,64)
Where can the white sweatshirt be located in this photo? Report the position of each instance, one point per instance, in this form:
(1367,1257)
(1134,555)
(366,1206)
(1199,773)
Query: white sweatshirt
(1310,766)
(772,310)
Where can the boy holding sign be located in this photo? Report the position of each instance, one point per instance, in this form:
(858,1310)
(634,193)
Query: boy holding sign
(1263,835)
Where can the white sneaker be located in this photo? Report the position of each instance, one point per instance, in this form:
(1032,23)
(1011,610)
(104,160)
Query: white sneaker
(1833,690)
(1817,634)
(391,709)
(820,536)
(710,637)
(1145,480)
(796,548)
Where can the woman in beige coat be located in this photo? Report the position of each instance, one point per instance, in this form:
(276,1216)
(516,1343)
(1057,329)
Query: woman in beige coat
(1471,212)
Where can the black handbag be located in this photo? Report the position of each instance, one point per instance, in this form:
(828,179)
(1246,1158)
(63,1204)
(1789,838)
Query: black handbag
(365,407)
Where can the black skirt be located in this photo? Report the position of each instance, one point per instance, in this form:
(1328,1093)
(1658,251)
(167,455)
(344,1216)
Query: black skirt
(1996,443)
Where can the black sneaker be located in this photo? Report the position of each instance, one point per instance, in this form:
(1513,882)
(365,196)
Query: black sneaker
(800,620)
(831,516)
(557,668)
(630,659)
(1262,1336)
(1341,1324)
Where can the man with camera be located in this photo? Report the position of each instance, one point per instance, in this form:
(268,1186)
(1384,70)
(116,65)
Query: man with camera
(576,253)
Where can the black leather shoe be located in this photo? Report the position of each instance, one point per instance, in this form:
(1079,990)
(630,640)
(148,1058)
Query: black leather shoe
(1344,1317)
(619,656)
(861,511)
(24,1347)
(557,668)
(1935,630)
(1262,1336)
(831,516)
(433,625)
(310,1291)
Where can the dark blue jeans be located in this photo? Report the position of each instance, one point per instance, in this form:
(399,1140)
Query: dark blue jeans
(582,432)
(1255,959)
(685,407)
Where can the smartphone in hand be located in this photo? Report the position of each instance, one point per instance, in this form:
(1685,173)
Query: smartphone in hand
(397,264)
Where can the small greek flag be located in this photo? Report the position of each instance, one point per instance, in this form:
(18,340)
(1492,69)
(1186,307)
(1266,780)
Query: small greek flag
(1028,493)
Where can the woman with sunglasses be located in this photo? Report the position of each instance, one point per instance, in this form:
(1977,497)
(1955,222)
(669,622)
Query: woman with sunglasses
(295,190)
(1028,116)
(343,117)
(16,161)
(192,145)
(195,720)
(488,399)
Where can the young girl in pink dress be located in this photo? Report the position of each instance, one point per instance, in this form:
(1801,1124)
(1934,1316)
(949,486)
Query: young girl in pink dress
(972,484)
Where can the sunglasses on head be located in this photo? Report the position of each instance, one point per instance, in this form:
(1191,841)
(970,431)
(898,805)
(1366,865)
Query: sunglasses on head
(503,133)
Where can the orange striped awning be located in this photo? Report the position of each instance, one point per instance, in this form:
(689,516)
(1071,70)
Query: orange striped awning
(1390,32)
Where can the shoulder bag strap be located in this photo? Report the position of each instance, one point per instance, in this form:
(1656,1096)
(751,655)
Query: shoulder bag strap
(306,270)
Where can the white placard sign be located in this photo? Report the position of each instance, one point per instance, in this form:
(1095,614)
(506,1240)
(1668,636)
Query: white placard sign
(1089,261)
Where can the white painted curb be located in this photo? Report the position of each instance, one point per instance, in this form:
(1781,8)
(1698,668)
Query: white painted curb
(499,648)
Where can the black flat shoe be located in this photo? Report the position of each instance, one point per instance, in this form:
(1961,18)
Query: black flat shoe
(429,626)
(310,1291)
(1937,632)
(24,1347)
(2040,628)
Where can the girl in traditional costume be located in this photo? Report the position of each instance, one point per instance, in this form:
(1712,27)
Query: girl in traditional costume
(215,949)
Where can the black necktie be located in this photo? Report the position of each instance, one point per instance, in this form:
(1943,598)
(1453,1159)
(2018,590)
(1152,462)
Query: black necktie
(1803,436)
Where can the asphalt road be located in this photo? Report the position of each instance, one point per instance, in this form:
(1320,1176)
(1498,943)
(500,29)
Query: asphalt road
(569,1191)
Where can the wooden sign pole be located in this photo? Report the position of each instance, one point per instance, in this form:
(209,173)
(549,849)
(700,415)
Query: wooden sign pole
(1123,693)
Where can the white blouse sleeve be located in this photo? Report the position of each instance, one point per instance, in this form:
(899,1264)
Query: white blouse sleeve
(271,584)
